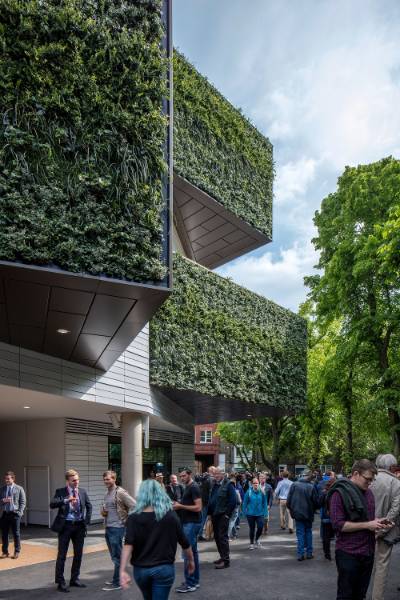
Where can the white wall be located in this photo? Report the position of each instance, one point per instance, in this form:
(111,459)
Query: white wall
(88,454)
(34,444)
(125,385)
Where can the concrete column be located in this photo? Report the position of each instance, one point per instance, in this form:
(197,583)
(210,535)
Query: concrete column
(132,455)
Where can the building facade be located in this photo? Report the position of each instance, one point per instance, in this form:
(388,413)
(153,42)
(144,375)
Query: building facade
(116,337)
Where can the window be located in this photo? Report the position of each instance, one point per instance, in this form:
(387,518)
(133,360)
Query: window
(206,436)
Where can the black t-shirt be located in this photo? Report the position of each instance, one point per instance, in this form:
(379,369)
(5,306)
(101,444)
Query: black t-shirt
(190,494)
(154,542)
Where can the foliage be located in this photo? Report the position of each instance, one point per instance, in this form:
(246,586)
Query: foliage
(82,137)
(357,286)
(219,151)
(217,338)
(343,420)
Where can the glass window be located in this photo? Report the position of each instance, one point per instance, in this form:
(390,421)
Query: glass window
(206,436)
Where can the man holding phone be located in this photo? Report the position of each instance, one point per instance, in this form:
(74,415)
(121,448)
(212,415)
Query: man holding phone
(352,511)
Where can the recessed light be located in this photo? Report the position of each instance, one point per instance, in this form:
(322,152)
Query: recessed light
(249,415)
(26,406)
(63,331)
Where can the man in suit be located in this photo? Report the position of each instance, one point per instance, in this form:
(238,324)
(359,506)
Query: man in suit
(12,505)
(73,517)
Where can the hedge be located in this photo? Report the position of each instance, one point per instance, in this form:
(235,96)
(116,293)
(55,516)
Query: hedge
(219,339)
(218,150)
(82,136)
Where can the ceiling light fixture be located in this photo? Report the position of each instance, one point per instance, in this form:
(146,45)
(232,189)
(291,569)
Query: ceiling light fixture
(63,331)
(249,415)
(26,406)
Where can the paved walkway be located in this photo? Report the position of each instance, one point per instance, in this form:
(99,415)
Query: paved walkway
(272,573)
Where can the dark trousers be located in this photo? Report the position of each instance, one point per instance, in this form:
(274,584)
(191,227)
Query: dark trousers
(10,520)
(220,526)
(253,521)
(328,534)
(354,574)
(74,532)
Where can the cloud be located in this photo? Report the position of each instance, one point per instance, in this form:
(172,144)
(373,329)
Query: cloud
(322,80)
(293,180)
(278,277)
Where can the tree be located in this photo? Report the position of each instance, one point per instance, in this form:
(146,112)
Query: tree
(267,437)
(355,286)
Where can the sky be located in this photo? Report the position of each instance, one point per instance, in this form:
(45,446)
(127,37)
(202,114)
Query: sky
(319,78)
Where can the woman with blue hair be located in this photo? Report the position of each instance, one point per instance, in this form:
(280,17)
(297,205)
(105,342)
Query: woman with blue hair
(153,531)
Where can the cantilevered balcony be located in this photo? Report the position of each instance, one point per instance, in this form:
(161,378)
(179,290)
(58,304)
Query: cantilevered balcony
(223,173)
(224,353)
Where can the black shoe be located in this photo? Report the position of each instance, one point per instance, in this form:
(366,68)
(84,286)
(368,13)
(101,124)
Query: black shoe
(310,557)
(300,558)
(219,560)
(224,564)
(201,538)
(328,557)
(77,584)
(62,588)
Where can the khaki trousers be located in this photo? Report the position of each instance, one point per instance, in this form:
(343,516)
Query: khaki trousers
(285,514)
(383,552)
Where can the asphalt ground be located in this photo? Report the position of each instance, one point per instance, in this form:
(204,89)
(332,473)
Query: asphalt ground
(271,573)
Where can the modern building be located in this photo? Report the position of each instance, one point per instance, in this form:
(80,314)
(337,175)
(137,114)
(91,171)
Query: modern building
(117,198)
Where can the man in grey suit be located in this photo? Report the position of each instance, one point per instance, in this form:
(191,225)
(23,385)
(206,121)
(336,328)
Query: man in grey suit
(12,506)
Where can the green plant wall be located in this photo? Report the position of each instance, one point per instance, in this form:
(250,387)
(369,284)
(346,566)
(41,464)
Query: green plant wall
(82,135)
(217,338)
(218,150)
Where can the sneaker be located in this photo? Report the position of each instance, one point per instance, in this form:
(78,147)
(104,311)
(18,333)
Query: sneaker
(251,547)
(111,587)
(197,585)
(258,545)
(183,589)
(108,583)
(225,564)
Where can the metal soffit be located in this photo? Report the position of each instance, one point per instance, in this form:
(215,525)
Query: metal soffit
(211,234)
(213,409)
(84,319)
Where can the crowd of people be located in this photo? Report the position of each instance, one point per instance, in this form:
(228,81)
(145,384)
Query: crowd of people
(361,511)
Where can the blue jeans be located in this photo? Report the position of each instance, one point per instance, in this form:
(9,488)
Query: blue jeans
(114,538)
(155,582)
(232,523)
(304,538)
(191,531)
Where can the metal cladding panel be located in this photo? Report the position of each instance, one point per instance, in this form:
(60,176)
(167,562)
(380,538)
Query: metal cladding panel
(100,317)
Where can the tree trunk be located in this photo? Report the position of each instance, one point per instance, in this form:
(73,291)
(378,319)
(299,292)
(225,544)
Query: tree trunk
(394,419)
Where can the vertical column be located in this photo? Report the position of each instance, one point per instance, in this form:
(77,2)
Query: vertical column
(132,455)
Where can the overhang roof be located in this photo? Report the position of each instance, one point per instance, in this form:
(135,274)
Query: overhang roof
(101,315)
(213,409)
(211,234)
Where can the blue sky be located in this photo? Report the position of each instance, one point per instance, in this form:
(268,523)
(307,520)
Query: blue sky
(320,78)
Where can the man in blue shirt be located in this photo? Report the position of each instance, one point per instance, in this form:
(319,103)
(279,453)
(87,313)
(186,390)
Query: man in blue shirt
(281,493)
(73,517)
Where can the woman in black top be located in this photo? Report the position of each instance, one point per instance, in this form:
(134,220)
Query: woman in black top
(153,531)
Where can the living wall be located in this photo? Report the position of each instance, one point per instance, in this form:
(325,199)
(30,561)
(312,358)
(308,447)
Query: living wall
(82,135)
(217,338)
(217,149)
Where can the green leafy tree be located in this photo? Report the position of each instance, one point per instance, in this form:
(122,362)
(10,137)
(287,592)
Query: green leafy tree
(355,286)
